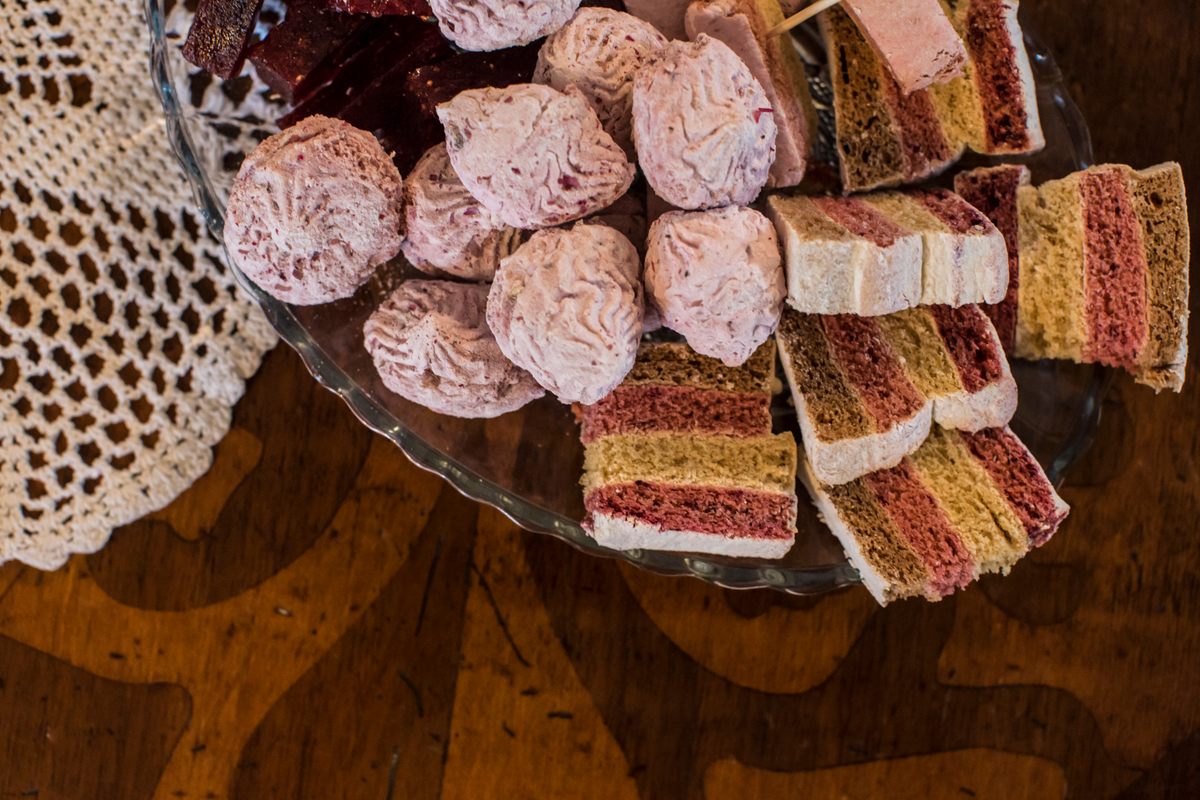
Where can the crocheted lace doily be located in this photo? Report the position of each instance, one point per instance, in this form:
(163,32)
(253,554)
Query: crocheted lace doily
(124,341)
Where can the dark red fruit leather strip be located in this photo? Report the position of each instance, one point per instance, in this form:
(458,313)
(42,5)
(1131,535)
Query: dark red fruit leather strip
(220,35)
(309,34)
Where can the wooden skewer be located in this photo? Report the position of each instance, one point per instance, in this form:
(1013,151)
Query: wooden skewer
(802,15)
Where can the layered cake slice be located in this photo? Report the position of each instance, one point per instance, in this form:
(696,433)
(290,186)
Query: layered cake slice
(993,108)
(879,253)
(963,505)
(743,25)
(681,457)
(867,389)
(1103,266)
(886,137)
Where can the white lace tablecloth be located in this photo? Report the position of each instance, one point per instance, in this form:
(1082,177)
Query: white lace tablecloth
(124,341)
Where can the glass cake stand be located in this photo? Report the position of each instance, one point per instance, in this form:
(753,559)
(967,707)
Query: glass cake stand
(527,464)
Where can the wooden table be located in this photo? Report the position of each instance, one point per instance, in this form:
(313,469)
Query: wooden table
(317,618)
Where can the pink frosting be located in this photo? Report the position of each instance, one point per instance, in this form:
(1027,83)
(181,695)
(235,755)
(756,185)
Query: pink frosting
(313,211)
(599,51)
(913,37)
(532,155)
(567,306)
(704,130)
(449,232)
(497,24)
(716,277)
(431,344)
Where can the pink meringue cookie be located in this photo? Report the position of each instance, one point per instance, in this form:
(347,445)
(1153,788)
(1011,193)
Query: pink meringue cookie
(568,307)
(716,277)
(702,125)
(599,51)
(497,24)
(449,232)
(313,211)
(431,344)
(532,155)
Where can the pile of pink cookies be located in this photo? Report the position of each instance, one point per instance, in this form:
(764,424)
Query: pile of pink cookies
(523,221)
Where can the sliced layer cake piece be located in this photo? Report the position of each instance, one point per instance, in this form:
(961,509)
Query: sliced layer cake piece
(867,389)
(993,190)
(681,457)
(963,505)
(879,253)
(743,25)
(1103,267)
(886,137)
(993,108)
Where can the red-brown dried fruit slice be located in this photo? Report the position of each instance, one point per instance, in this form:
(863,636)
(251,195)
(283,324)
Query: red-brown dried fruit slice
(220,35)
(308,35)
(377,8)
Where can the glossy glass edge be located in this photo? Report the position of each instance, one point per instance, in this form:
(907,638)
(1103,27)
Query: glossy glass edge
(803,581)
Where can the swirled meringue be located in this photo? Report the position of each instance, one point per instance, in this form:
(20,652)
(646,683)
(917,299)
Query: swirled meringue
(567,306)
(599,51)
(716,277)
(449,232)
(431,344)
(313,211)
(702,125)
(532,155)
(497,24)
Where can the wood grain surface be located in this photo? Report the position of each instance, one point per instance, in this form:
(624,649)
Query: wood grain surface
(317,618)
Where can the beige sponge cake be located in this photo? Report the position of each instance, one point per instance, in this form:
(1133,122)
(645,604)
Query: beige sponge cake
(880,253)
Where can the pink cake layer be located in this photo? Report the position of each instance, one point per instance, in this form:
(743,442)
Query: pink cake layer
(993,191)
(916,513)
(918,127)
(869,363)
(736,513)
(954,212)
(649,408)
(997,77)
(860,219)
(1020,479)
(964,330)
(1115,271)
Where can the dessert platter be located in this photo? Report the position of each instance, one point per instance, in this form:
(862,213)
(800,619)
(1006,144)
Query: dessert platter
(686,283)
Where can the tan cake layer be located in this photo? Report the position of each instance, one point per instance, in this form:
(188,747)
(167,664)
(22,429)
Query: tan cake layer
(676,364)
(983,518)
(930,368)
(762,463)
(1051,322)
(1160,201)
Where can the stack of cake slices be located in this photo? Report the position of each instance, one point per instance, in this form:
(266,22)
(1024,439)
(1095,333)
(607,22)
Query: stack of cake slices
(886,137)
(681,457)
(962,505)
(1101,266)
(903,391)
